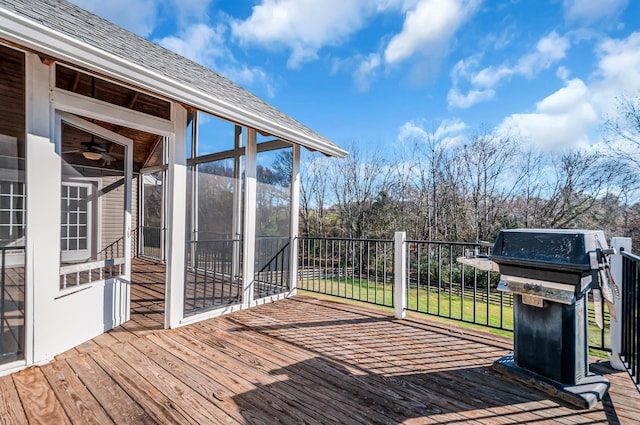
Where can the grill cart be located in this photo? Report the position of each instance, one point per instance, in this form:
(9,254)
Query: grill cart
(550,273)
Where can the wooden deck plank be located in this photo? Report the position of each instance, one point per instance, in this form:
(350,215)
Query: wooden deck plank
(38,399)
(256,370)
(79,404)
(158,406)
(380,396)
(261,400)
(441,384)
(11,411)
(192,403)
(120,407)
(400,384)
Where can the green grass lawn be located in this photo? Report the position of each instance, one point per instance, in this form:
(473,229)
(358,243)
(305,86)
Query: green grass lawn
(494,316)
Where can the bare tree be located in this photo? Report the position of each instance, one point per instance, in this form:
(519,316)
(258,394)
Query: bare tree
(356,181)
(622,132)
(313,190)
(492,183)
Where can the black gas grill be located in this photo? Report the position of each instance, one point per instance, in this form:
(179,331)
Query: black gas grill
(550,273)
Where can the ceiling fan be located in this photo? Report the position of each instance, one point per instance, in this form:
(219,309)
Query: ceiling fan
(95,151)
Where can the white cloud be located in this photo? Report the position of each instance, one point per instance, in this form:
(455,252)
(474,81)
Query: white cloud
(200,43)
(448,134)
(567,118)
(456,99)
(590,11)
(563,73)
(548,51)
(409,131)
(560,121)
(143,16)
(365,70)
(138,16)
(428,27)
(189,11)
(207,46)
(305,26)
(449,127)
(618,70)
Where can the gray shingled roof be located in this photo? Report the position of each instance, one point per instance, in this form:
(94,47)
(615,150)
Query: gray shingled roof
(79,24)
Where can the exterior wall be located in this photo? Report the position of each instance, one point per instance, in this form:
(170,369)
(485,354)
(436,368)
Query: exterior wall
(112,217)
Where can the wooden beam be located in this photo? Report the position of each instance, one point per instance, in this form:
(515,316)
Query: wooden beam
(76,82)
(159,140)
(47,60)
(133,99)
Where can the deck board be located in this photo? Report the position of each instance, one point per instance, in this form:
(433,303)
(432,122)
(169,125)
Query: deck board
(301,360)
(11,411)
(76,400)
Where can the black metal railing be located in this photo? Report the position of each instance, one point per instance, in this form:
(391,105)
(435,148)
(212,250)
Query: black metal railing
(212,274)
(439,285)
(357,269)
(630,353)
(11,303)
(151,242)
(272,259)
(436,283)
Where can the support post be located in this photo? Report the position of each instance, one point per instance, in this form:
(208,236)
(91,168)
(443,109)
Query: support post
(293,227)
(615,334)
(400,275)
(176,219)
(249,245)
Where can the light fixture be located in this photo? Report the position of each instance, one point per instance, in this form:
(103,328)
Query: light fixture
(93,156)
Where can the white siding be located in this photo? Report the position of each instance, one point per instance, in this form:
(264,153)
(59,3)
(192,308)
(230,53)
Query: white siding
(112,216)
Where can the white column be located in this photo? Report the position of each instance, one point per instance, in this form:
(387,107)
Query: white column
(237,202)
(42,177)
(176,218)
(295,212)
(400,275)
(249,234)
(615,334)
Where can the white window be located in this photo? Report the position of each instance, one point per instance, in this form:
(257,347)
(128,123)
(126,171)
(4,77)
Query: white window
(76,227)
(12,213)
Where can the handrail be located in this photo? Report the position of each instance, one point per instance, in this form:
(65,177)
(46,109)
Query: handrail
(80,267)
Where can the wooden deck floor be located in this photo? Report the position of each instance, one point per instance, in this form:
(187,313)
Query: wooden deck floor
(301,360)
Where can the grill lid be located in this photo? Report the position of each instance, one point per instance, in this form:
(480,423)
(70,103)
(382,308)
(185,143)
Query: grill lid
(552,264)
(561,249)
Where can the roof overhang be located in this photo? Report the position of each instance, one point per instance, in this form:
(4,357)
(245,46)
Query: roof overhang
(36,37)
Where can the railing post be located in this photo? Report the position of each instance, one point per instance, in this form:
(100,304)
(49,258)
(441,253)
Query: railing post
(400,275)
(615,333)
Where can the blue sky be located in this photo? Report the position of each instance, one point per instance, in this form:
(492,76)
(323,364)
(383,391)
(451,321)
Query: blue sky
(382,72)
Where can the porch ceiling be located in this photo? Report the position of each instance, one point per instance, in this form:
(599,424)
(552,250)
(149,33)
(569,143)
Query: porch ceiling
(143,147)
(296,361)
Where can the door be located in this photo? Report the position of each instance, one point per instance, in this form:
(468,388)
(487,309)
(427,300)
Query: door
(94,222)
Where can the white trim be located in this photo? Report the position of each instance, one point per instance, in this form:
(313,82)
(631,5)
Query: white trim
(237,201)
(294,218)
(42,178)
(400,275)
(114,114)
(80,267)
(211,314)
(176,183)
(92,222)
(38,37)
(9,368)
(249,234)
